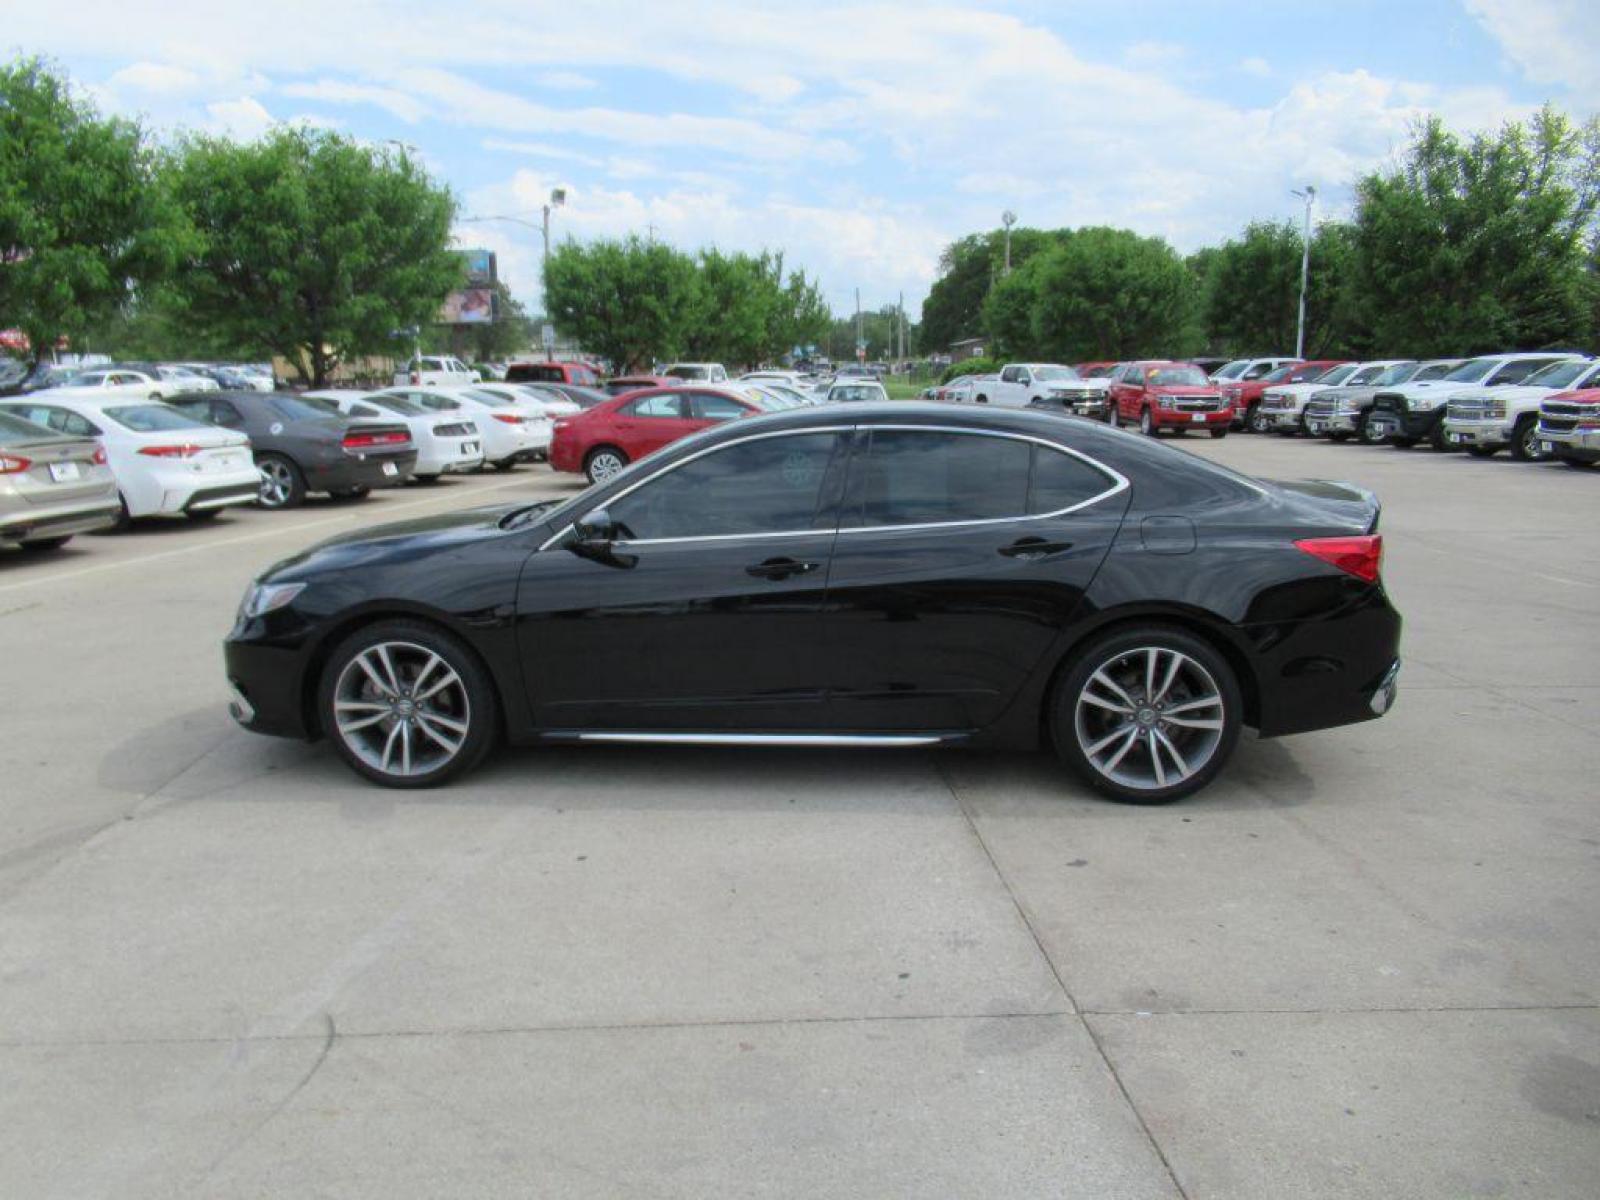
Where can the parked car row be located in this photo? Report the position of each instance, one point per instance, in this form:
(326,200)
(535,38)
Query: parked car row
(80,459)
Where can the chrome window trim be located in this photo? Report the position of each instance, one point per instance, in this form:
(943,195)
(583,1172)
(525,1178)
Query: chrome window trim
(1119,485)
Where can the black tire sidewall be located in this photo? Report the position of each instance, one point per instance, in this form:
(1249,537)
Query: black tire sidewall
(483,728)
(1087,659)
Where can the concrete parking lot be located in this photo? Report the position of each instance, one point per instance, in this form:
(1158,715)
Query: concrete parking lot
(1366,963)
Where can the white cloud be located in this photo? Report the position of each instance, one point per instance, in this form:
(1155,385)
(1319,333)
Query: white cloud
(1146,55)
(396,103)
(160,78)
(1549,40)
(1259,68)
(243,118)
(565,81)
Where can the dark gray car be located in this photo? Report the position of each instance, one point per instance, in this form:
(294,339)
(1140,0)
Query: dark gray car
(305,444)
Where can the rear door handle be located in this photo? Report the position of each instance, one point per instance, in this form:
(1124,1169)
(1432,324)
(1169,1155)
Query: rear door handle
(780,568)
(1033,547)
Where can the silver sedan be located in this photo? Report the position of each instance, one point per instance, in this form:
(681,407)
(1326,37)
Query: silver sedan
(52,485)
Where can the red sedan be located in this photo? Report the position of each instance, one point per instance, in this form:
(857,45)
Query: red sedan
(600,441)
(1168,395)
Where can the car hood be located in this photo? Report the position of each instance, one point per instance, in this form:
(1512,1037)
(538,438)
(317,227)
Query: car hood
(399,540)
(1520,391)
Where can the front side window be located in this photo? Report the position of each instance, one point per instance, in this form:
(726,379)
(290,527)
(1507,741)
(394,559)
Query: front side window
(708,406)
(655,406)
(769,485)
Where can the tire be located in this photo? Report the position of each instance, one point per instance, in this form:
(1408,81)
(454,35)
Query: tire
(282,484)
(124,519)
(506,464)
(1146,425)
(1218,434)
(1436,439)
(451,724)
(1367,432)
(1121,745)
(1255,421)
(44,545)
(601,463)
(1525,441)
(1113,417)
(201,515)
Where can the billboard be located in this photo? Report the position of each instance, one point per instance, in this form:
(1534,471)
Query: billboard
(468,306)
(480,267)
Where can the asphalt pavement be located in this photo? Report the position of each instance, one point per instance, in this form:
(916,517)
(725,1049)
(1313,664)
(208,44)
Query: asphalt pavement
(1365,963)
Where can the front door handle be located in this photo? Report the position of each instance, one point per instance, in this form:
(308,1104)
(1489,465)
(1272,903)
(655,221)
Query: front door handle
(780,568)
(1033,547)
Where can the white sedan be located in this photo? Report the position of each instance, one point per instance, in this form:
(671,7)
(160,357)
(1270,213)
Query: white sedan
(551,402)
(164,462)
(855,389)
(447,444)
(512,432)
(112,381)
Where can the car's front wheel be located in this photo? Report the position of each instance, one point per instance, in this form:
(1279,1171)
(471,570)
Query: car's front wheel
(1147,715)
(1525,443)
(1146,425)
(1255,421)
(1371,433)
(407,705)
(282,485)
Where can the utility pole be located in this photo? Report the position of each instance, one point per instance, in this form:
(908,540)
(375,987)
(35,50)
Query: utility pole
(902,311)
(1008,219)
(861,341)
(1309,196)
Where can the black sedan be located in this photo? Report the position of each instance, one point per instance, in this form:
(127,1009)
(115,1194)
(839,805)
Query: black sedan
(305,444)
(898,574)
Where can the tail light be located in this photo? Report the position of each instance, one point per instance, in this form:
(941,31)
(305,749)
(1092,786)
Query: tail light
(186,450)
(508,419)
(13,464)
(99,456)
(1358,556)
(365,441)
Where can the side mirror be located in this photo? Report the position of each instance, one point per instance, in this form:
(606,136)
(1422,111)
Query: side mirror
(595,526)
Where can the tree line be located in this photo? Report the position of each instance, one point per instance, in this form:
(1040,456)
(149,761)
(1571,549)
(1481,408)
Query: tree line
(1468,244)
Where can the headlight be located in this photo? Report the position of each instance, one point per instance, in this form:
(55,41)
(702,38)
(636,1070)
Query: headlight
(1165,401)
(262,598)
(1420,403)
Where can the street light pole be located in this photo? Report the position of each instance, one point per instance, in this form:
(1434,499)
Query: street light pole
(1309,196)
(1008,219)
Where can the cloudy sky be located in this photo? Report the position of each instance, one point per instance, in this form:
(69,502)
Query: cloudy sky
(860,138)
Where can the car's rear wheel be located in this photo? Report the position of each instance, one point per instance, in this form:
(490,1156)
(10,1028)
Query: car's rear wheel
(1147,715)
(603,462)
(1525,441)
(408,705)
(282,485)
(43,545)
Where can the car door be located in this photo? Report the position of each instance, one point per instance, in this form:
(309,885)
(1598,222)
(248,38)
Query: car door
(650,422)
(962,558)
(704,611)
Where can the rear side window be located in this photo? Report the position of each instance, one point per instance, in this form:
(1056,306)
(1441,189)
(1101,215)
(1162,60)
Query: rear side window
(1061,481)
(915,478)
(655,406)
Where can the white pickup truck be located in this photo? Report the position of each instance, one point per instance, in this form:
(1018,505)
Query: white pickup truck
(1046,385)
(435,371)
(1484,420)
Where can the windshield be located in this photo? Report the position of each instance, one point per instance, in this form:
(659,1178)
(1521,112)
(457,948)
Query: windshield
(688,372)
(1471,371)
(1055,373)
(1232,370)
(326,407)
(152,418)
(1366,375)
(1399,373)
(487,399)
(1339,374)
(399,404)
(1179,376)
(856,391)
(1558,375)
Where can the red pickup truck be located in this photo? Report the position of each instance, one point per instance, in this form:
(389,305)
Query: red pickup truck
(1245,395)
(581,374)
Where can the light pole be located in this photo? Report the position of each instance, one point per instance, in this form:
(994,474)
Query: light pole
(1008,219)
(1310,197)
(558,197)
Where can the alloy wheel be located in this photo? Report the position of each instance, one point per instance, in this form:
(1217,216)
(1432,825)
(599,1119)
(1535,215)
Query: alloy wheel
(604,465)
(1256,421)
(1149,718)
(1146,427)
(401,709)
(276,483)
(1531,451)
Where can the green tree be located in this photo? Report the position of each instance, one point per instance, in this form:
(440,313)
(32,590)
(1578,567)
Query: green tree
(1250,293)
(85,221)
(802,319)
(629,301)
(1481,243)
(967,269)
(312,245)
(736,301)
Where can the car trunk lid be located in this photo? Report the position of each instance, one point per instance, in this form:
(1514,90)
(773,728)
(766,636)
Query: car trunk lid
(1330,502)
